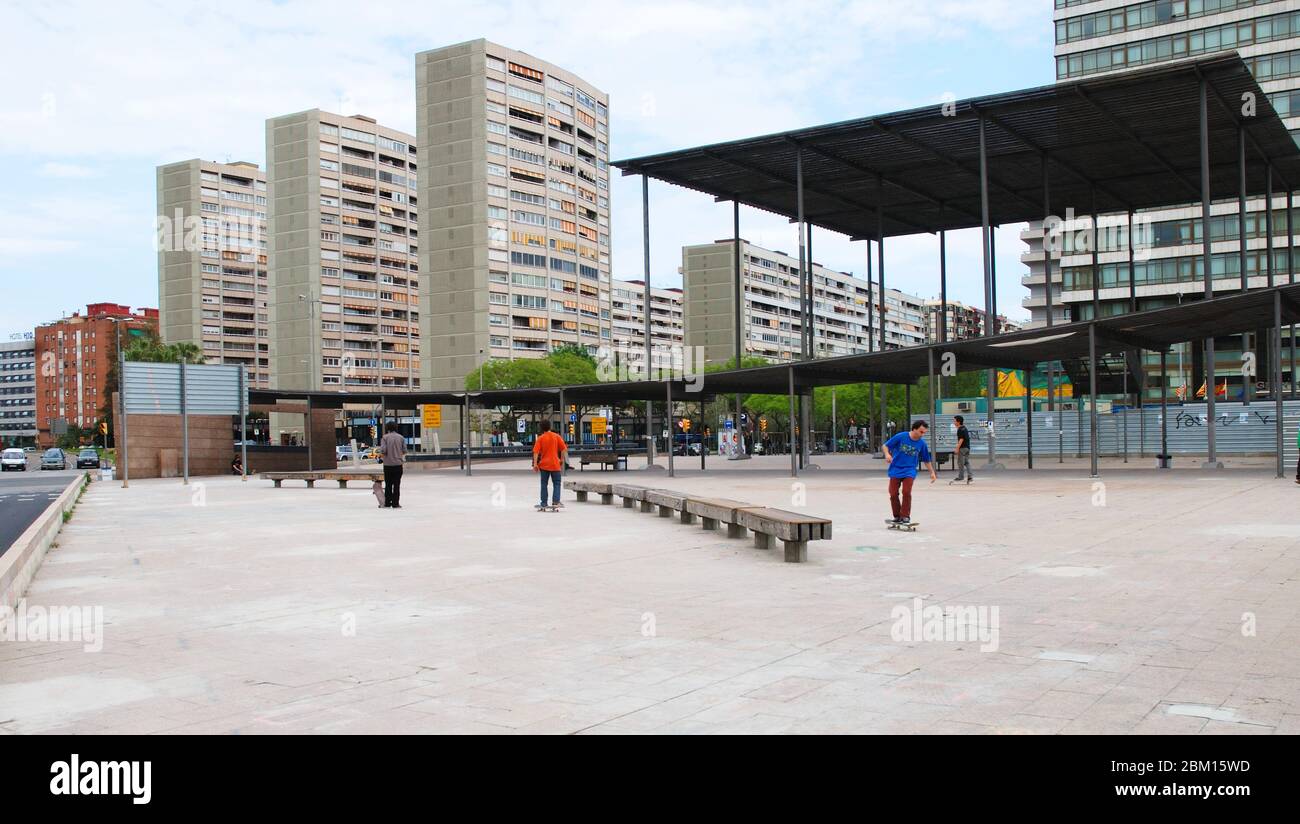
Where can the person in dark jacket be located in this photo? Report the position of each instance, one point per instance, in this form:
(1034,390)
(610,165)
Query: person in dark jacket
(392,451)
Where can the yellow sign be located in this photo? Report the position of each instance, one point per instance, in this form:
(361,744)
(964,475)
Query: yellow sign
(599,426)
(432,415)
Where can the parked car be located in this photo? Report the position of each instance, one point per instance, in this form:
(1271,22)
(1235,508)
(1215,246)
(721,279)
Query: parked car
(13,459)
(54,459)
(88,459)
(343,453)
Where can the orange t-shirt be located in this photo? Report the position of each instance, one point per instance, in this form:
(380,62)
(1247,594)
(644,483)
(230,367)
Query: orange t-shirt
(546,451)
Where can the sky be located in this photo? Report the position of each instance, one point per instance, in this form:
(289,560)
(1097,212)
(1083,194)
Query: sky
(94,96)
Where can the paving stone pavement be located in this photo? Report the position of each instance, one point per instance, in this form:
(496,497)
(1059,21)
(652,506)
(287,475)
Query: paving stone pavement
(1152,603)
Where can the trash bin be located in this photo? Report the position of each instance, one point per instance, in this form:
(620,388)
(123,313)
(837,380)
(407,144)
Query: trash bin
(1164,461)
(106,473)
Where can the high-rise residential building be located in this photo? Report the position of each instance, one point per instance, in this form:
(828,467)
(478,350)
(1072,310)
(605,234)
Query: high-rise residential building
(770,315)
(343,239)
(962,321)
(627,309)
(514,153)
(73,357)
(212,268)
(18,391)
(1096,37)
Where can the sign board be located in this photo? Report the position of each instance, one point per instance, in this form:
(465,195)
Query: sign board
(521,426)
(431,416)
(598,426)
(573,418)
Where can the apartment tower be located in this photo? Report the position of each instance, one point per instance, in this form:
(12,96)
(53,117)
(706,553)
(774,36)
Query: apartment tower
(770,315)
(516,252)
(212,268)
(344,248)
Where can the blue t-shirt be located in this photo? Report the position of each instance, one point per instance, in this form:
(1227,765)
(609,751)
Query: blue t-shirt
(908,455)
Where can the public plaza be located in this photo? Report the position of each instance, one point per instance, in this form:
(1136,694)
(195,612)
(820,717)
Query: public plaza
(1144,601)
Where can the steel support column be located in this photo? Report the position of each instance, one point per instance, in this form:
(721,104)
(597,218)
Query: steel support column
(929,356)
(668,421)
(1290,278)
(1212,460)
(1241,207)
(880,265)
(1029,415)
(1047,278)
(1277,379)
(649,345)
(185,427)
(943,296)
(740,301)
(1092,398)
(243,423)
(1164,408)
(989,320)
(469,433)
(794,467)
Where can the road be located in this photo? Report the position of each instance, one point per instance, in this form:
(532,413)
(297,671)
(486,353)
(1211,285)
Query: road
(25,495)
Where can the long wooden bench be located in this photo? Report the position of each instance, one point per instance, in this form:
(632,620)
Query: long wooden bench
(669,502)
(604,459)
(715,511)
(584,488)
(342,476)
(632,495)
(793,529)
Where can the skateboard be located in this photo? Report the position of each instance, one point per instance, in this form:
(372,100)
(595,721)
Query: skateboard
(549,508)
(903,527)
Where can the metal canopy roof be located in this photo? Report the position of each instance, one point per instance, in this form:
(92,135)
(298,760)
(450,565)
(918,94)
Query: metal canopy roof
(1133,137)
(1154,329)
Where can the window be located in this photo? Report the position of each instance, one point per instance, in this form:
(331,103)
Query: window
(526,259)
(559,86)
(527,95)
(529,301)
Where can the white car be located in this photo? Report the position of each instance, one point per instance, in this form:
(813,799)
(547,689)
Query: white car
(14,459)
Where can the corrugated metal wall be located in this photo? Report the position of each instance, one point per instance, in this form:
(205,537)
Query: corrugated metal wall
(1241,430)
(155,389)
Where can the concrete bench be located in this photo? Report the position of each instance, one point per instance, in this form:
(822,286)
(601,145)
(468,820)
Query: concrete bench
(793,529)
(604,459)
(631,495)
(584,488)
(323,475)
(669,502)
(713,511)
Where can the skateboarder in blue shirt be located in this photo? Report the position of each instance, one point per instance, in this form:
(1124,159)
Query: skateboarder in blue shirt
(905,453)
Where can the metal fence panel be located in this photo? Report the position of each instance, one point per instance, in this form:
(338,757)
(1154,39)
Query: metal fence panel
(155,389)
(1240,430)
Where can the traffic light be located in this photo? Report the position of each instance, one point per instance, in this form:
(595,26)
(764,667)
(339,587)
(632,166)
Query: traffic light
(686,424)
(374,433)
(570,430)
(103,427)
(573,407)
(762,424)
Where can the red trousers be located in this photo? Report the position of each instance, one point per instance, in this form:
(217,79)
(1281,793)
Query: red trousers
(902,508)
